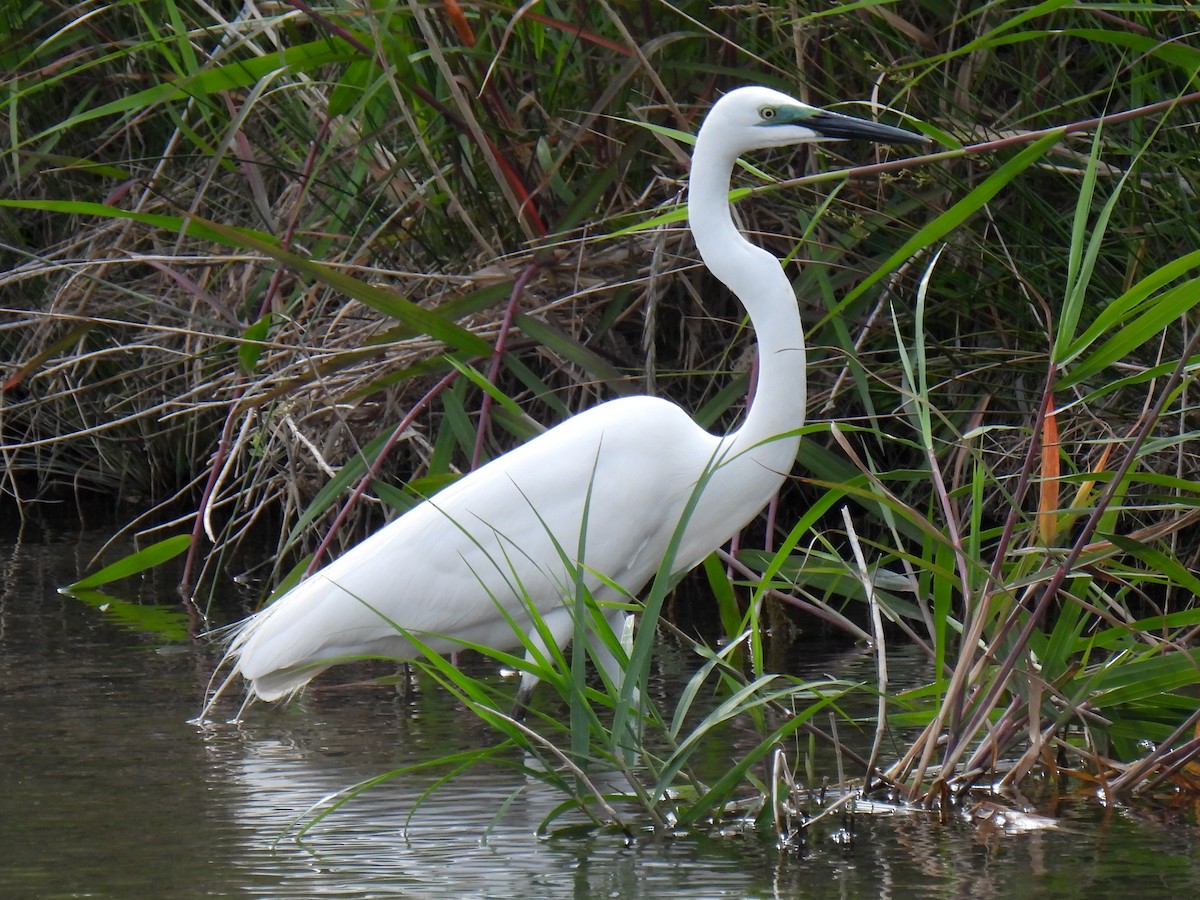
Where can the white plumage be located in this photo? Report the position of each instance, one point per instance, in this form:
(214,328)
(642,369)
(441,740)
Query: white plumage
(458,567)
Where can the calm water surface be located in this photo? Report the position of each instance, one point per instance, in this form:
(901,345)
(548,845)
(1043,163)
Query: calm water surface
(107,791)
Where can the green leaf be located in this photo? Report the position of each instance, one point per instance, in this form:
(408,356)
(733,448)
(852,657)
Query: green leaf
(722,589)
(1081,264)
(147,558)
(385,301)
(1128,633)
(350,87)
(231,77)
(251,347)
(1158,562)
(1169,306)
(480,381)
(176,224)
(1176,53)
(1128,679)
(569,349)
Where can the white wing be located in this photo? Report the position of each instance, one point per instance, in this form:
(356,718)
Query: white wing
(450,565)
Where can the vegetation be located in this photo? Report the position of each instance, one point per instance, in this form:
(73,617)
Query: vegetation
(279,273)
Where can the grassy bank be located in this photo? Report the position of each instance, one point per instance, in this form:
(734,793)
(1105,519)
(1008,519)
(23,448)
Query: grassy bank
(246,261)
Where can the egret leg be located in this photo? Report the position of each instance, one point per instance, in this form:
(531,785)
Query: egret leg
(524,692)
(618,621)
(559,624)
(621,624)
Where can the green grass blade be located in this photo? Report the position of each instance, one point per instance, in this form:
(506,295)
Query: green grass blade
(958,213)
(146,558)
(205,82)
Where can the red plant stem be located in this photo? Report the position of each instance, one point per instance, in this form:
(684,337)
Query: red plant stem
(1084,537)
(571,30)
(510,312)
(510,174)
(306,174)
(1167,762)
(1024,480)
(954,747)
(214,470)
(218,461)
(373,470)
(772,513)
(1024,137)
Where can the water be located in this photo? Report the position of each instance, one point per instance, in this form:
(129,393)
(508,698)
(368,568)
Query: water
(107,791)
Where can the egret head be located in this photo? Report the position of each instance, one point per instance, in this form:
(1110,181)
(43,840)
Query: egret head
(755,118)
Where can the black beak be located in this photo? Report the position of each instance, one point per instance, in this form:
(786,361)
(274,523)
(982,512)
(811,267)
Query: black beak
(847,128)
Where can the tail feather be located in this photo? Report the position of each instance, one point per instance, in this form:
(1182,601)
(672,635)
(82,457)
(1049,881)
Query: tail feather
(269,685)
(285,682)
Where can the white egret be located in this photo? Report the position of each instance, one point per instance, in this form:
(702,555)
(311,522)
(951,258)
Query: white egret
(466,564)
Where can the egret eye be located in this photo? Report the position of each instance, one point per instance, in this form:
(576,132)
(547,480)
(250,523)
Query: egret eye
(767,112)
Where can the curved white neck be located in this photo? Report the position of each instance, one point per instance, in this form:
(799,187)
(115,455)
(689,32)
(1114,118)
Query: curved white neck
(759,282)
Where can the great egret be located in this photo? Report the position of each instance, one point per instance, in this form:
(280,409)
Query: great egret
(463,565)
